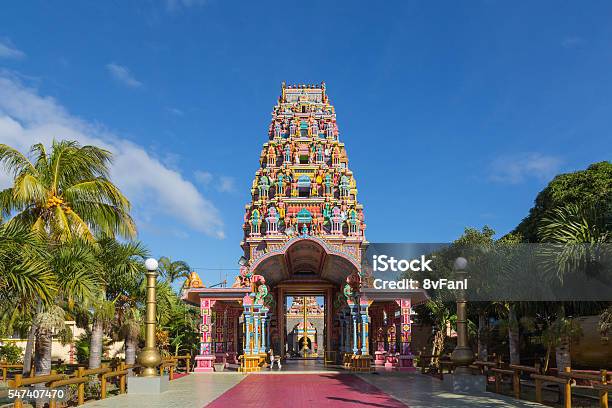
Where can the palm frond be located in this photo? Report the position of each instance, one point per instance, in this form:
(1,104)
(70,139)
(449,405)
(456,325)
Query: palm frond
(14,161)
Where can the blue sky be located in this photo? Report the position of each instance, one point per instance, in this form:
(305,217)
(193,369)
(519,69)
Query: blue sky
(454,113)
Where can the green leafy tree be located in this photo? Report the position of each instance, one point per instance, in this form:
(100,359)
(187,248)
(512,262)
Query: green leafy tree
(605,322)
(65,193)
(25,275)
(130,329)
(121,264)
(11,353)
(173,270)
(590,188)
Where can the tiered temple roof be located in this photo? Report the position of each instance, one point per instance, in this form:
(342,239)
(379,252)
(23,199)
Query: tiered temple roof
(312,307)
(304,185)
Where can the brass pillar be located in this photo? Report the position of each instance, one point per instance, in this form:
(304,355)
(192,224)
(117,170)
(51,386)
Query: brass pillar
(463,355)
(149,356)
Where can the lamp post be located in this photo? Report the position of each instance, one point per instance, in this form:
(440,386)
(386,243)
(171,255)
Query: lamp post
(149,356)
(463,355)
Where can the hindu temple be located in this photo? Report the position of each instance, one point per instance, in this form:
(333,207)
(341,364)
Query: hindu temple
(302,291)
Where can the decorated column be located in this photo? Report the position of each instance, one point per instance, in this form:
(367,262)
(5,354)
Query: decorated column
(220,325)
(264,335)
(355,319)
(232,317)
(341,320)
(247,328)
(364,305)
(204,361)
(348,333)
(406,357)
(256,330)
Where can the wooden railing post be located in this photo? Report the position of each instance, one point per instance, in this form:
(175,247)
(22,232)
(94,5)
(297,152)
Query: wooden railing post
(188,364)
(603,393)
(122,379)
(538,390)
(102,383)
(567,394)
(17,384)
(81,387)
(516,383)
(4,372)
(498,383)
(171,376)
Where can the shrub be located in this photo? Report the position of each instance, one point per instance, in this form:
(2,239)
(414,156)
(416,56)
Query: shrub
(11,353)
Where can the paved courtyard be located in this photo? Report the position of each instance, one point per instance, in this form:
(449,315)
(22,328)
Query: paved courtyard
(314,390)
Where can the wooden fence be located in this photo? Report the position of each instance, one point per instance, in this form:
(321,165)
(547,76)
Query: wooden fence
(116,373)
(500,372)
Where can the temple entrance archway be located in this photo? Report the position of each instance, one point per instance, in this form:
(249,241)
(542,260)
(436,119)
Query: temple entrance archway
(304,268)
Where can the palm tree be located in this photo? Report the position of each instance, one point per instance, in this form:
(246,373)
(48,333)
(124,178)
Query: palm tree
(173,270)
(25,273)
(122,264)
(441,317)
(605,322)
(66,193)
(575,236)
(27,282)
(47,323)
(74,264)
(130,330)
(513,334)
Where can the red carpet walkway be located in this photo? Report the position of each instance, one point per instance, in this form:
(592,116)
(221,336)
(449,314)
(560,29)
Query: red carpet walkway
(305,390)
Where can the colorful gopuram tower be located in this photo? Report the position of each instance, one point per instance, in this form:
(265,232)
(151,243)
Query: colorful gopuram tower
(304,186)
(303,239)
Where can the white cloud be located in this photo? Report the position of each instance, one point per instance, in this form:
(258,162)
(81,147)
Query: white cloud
(203,177)
(175,5)
(514,169)
(223,184)
(122,74)
(175,111)
(572,42)
(8,50)
(153,188)
(226,184)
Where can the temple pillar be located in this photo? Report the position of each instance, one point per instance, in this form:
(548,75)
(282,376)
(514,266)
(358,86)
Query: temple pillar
(230,345)
(264,337)
(256,330)
(354,316)
(220,330)
(406,357)
(348,333)
(206,358)
(268,332)
(342,324)
(247,329)
(364,305)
